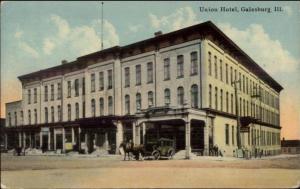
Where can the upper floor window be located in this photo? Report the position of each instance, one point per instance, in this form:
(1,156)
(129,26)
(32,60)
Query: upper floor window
(194,96)
(101,81)
(221,70)
(76,83)
(167,97)
(69,89)
(231,75)
(138,102)
(127,77)
(127,104)
(149,72)
(58,91)
(16,119)
(92,82)
(150,99)
(227,134)
(52,92)
(35,116)
(52,114)
(29,117)
(226,73)
(59,115)
(227,101)
(209,63)
(231,104)
(138,78)
(83,86)
(46,93)
(166,68)
(29,96)
(180,96)
(244,84)
(46,115)
(232,134)
(101,106)
(109,79)
(221,99)
(209,96)
(76,111)
(194,63)
(216,67)
(216,98)
(93,107)
(110,105)
(235,75)
(240,83)
(69,112)
(180,68)
(9,119)
(35,95)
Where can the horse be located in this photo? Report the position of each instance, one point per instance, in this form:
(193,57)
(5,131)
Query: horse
(129,147)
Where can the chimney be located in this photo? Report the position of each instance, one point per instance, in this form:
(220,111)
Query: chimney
(158,33)
(64,62)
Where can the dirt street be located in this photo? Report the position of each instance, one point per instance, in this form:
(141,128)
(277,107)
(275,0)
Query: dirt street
(112,172)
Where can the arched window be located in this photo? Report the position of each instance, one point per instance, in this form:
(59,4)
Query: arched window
(216,67)
(69,112)
(59,113)
(101,106)
(194,63)
(138,102)
(209,63)
(180,96)
(77,111)
(194,96)
(150,99)
(167,97)
(216,98)
(180,67)
(35,116)
(93,106)
(52,114)
(221,99)
(209,97)
(110,105)
(29,117)
(46,115)
(127,104)
(227,108)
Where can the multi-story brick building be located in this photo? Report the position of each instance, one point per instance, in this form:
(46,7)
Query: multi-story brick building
(177,85)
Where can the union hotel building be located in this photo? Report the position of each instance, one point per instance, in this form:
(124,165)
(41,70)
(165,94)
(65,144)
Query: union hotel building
(177,85)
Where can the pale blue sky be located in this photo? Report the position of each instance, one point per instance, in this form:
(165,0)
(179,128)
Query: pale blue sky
(38,35)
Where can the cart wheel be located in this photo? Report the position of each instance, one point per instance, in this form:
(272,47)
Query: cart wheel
(171,154)
(156,155)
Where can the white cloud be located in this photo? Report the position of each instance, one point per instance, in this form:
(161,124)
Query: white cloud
(18,34)
(48,46)
(288,10)
(181,18)
(28,49)
(135,28)
(267,52)
(62,26)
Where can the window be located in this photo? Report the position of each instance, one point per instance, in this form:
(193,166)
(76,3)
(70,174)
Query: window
(29,96)
(127,77)
(93,107)
(35,116)
(244,84)
(69,89)
(52,92)
(216,98)
(110,79)
(46,93)
(180,96)
(166,69)
(226,73)
(235,75)
(221,70)
(16,119)
(29,117)
(240,83)
(76,83)
(150,99)
(231,104)
(127,104)
(110,105)
(69,112)
(52,114)
(149,72)
(231,75)
(232,133)
(138,79)
(247,87)
(194,96)
(209,63)
(221,99)
(9,119)
(58,91)
(76,111)
(227,134)
(227,103)
(138,102)
(101,81)
(92,82)
(194,63)
(209,97)
(46,115)
(101,106)
(83,86)
(35,95)
(167,97)
(180,63)
(59,115)
(216,67)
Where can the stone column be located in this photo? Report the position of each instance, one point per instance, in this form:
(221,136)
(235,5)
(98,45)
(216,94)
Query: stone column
(86,142)
(106,140)
(144,132)
(49,140)
(119,136)
(20,139)
(138,134)
(54,132)
(95,141)
(24,140)
(63,140)
(30,138)
(187,140)
(73,137)
(79,138)
(41,139)
(206,139)
(133,133)
(5,141)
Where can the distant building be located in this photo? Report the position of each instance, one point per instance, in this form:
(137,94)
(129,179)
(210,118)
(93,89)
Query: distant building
(176,85)
(290,146)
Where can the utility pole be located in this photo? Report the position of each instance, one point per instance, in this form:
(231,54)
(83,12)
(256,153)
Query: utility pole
(102,25)
(238,131)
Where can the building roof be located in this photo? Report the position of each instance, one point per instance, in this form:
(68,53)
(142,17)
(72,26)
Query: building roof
(290,143)
(201,30)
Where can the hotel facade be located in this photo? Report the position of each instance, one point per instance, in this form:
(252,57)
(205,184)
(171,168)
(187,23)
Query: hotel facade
(178,85)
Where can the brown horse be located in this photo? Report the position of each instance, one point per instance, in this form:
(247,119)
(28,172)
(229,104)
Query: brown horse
(129,148)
